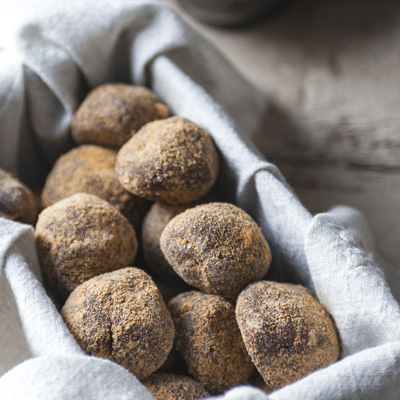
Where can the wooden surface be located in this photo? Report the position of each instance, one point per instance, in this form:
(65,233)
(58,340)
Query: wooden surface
(332,69)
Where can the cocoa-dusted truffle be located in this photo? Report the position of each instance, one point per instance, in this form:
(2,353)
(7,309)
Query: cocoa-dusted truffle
(121,316)
(216,247)
(287,332)
(208,338)
(91,169)
(80,237)
(171,160)
(17,202)
(174,387)
(112,113)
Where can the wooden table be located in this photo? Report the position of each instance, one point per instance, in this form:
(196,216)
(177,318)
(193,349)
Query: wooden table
(332,69)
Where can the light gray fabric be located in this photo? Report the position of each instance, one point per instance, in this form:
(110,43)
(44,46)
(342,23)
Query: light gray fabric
(51,54)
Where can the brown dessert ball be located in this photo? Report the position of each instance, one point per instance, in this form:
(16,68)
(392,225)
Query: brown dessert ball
(209,340)
(17,202)
(172,160)
(287,332)
(112,113)
(121,315)
(174,387)
(91,169)
(216,247)
(80,237)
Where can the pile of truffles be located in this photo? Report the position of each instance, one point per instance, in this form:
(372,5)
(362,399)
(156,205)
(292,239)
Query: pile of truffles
(224,324)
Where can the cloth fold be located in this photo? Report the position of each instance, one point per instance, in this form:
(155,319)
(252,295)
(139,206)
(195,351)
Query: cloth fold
(51,54)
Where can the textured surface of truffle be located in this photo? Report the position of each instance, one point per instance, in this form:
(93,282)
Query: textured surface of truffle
(80,237)
(209,340)
(172,160)
(17,202)
(91,169)
(112,113)
(121,316)
(216,247)
(287,332)
(174,387)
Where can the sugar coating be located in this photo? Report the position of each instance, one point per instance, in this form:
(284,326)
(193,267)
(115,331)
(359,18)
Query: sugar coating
(80,237)
(209,340)
(91,169)
(17,202)
(112,113)
(171,160)
(174,387)
(287,332)
(121,316)
(216,247)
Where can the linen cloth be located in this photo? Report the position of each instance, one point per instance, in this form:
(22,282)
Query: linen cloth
(51,54)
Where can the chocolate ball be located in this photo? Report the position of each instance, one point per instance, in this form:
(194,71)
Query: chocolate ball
(80,237)
(171,160)
(216,247)
(112,113)
(174,387)
(287,332)
(209,340)
(121,316)
(17,202)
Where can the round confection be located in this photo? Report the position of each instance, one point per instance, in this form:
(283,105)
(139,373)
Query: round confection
(91,169)
(17,202)
(209,340)
(287,332)
(80,237)
(174,387)
(171,160)
(216,247)
(121,316)
(112,113)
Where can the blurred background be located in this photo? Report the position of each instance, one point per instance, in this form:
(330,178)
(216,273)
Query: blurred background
(332,70)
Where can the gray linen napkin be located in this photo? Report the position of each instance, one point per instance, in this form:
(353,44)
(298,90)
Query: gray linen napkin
(51,54)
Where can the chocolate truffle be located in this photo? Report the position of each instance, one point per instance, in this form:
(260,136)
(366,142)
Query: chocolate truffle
(216,247)
(287,332)
(174,387)
(17,202)
(91,169)
(80,237)
(209,340)
(112,113)
(121,315)
(171,160)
